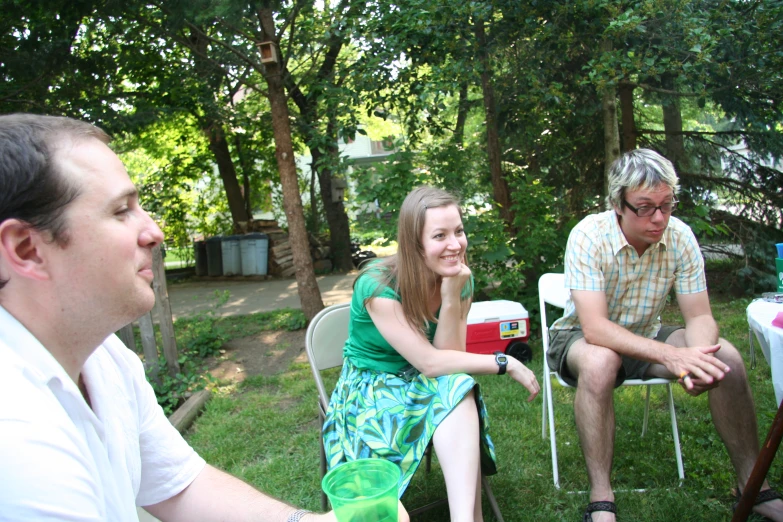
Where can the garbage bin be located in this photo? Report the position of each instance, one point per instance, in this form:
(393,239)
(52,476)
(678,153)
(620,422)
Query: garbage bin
(232,262)
(255,251)
(200,255)
(214,256)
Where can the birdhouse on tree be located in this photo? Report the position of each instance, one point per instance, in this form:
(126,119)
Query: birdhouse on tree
(268,52)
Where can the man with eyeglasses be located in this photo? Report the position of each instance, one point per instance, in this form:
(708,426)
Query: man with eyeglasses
(620,266)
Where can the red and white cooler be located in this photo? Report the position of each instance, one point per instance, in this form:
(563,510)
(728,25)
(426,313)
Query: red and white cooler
(499,326)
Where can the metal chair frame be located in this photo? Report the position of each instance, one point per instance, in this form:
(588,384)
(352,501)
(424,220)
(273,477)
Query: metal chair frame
(552,291)
(324,342)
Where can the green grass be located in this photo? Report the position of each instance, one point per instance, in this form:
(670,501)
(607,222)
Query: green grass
(243,325)
(203,335)
(179,257)
(267,433)
(187,328)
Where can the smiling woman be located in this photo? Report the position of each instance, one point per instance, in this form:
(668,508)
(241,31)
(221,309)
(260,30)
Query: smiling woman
(443,241)
(405,378)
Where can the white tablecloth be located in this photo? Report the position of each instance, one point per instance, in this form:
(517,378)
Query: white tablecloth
(760,316)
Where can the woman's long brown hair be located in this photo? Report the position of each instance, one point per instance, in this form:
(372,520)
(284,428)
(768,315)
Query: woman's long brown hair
(405,271)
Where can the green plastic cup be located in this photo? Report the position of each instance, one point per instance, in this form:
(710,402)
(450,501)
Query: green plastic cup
(779,273)
(364,490)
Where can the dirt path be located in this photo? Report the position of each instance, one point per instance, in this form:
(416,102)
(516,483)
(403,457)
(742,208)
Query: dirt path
(265,353)
(252,296)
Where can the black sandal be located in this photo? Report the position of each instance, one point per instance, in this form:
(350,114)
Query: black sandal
(603,505)
(767,495)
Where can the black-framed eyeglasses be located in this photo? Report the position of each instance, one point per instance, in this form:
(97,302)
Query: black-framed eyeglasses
(647,211)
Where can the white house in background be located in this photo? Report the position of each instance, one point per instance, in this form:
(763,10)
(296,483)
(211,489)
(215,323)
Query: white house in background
(722,250)
(361,151)
(742,150)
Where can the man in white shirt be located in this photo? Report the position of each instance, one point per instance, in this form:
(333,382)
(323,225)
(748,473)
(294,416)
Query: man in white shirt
(82,435)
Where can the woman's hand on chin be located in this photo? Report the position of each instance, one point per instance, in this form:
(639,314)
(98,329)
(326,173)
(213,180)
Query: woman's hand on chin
(451,286)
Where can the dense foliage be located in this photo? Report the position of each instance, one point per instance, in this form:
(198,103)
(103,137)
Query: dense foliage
(688,82)
(517,106)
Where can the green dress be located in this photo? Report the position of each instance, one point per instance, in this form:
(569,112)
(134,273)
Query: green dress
(383,408)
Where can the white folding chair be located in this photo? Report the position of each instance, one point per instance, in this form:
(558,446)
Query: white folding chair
(324,342)
(552,291)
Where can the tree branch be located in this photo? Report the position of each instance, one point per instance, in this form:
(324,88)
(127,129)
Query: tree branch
(651,88)
(699,133)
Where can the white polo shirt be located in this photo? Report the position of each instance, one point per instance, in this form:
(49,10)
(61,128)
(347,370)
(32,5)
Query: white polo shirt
(61,459)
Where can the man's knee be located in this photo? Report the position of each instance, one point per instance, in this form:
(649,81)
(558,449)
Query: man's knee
(732,357)
(595,367)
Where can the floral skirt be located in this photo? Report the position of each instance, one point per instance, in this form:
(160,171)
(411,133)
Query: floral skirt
(376,414)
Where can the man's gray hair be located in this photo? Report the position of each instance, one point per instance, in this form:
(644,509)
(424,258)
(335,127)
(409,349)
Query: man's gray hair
(639,169)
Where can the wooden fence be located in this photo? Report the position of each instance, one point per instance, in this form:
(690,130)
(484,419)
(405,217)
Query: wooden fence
(162,311)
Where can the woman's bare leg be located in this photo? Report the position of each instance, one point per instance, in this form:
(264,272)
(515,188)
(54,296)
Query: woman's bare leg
(456,442)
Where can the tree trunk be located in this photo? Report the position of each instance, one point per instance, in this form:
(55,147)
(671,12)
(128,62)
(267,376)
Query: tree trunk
(323,166)
(339,227)
(309,293)
(314,222)
(462,114)
(499,185)
(219,148)
(672,124)
(245,176)
(213,128)
(611,134)
(629,125)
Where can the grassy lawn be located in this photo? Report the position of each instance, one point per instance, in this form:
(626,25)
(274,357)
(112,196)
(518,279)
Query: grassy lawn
(179,257)
(267,433)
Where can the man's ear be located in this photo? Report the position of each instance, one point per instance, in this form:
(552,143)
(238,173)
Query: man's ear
(21,250)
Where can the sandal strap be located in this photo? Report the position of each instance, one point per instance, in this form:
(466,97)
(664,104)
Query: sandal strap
(767,495)
(602,505)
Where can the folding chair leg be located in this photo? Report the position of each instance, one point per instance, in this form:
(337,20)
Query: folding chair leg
(324,498)
(676,436)
(491,498)
(552,437)
(543,403)
(419,510)
(646,411)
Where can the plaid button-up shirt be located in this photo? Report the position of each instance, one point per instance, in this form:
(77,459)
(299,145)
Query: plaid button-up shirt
(599,258)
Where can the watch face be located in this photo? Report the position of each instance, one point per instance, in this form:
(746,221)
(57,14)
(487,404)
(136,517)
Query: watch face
(501,358)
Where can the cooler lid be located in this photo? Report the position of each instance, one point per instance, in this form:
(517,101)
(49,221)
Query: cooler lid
(492,311)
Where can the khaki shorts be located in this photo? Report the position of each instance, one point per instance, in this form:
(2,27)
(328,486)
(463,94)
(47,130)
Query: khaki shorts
(560,342)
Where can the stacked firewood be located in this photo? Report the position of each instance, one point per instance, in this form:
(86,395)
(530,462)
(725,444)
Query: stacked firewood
(281,258)
(320,253)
